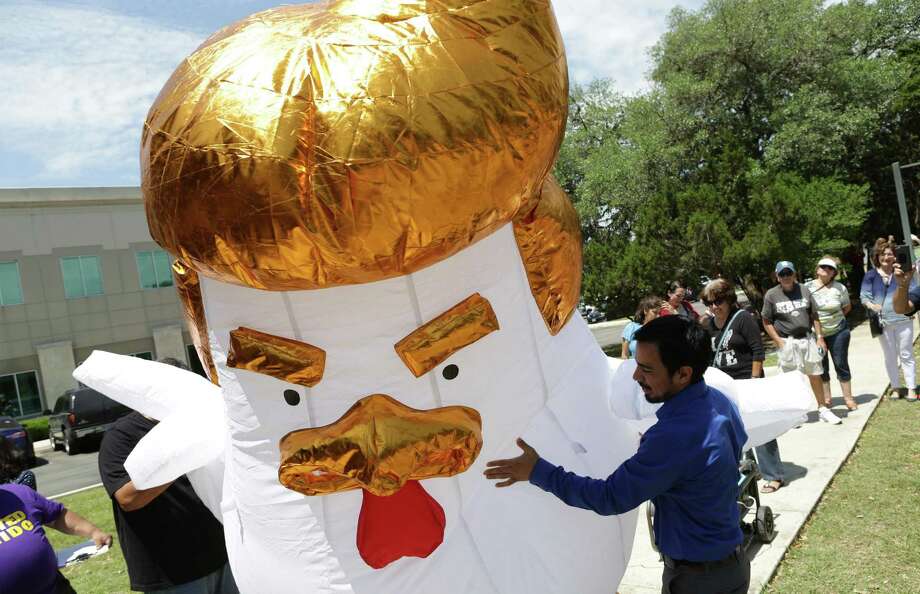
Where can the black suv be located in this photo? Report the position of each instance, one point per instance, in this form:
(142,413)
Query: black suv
(79,414)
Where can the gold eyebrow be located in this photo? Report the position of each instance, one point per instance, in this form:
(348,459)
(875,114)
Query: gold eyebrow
(458,327)
(282,358)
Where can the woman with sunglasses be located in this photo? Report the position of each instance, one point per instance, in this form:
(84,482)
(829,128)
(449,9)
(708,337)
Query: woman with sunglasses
(897,339)
(833,302)
(790,319)
(738,351)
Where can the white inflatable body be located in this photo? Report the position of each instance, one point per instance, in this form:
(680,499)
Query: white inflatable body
(550,390)
(554,391)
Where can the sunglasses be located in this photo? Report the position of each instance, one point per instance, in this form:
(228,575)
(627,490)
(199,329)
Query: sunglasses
(717,302)
(785,273)
(827,268)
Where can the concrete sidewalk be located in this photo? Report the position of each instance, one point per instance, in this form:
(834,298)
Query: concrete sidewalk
(812,454)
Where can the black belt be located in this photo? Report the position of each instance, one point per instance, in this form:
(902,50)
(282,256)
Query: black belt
(704,566)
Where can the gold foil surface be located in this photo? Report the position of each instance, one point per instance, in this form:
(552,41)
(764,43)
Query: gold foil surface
(459,326)
(282,358)
(378,445)
(346,142)
(548,235)
(188,287)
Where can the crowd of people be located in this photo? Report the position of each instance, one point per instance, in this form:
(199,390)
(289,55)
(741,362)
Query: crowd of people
(806,324)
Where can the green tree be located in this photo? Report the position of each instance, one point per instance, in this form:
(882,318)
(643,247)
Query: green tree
(767,134)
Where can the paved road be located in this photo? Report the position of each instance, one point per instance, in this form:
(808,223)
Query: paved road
(63,473)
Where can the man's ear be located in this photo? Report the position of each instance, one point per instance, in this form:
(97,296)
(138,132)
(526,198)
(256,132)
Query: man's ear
(683,375)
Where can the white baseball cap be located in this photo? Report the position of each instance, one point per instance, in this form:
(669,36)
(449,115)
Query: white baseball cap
(827,262)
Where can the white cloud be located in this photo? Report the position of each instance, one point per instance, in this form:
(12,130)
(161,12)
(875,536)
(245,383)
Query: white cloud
(77,86)
(611,39)
(78,81)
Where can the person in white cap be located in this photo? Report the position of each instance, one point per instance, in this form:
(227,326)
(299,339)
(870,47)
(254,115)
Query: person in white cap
(833,302)
(790,318)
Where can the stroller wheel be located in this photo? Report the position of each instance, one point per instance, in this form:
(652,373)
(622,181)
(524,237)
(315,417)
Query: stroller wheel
(763,524)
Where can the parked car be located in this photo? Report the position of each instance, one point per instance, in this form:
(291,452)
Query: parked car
(80,414)
(591,314)
(19,438)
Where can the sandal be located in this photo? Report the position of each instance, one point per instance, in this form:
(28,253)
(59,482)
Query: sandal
(851,404)
(771,487)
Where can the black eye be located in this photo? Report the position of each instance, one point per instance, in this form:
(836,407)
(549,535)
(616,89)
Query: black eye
(292,397)
(450,372)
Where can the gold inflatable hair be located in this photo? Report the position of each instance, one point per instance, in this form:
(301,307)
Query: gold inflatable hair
(351,141)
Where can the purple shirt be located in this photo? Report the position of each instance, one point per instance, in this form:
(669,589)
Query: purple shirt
(27,561)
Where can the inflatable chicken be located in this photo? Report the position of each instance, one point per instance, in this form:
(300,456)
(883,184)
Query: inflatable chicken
(380,275)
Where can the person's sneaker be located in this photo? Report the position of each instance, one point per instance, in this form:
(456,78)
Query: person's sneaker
(895,394)
(912,397)
(828,416)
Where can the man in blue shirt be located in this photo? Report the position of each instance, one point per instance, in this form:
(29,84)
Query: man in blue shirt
(687,464)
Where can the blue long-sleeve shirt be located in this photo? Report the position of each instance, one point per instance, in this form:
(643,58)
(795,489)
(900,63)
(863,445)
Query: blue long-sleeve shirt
(687,464)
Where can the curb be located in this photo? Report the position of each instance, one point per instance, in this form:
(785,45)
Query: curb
(80,490)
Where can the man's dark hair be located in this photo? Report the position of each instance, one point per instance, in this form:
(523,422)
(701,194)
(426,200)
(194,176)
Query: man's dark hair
(680,343)
(174,362)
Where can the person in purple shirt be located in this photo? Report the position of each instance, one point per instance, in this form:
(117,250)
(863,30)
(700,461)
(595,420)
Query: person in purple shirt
(27,561)
(687,465)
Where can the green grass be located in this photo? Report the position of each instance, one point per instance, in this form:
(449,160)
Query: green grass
(864,535)
(103,574)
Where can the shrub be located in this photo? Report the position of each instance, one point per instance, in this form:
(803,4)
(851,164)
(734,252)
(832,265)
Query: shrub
(37,428)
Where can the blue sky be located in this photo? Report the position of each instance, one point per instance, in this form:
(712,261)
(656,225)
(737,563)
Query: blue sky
(79,75)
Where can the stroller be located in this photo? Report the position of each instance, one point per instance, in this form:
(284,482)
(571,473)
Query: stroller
(760,528)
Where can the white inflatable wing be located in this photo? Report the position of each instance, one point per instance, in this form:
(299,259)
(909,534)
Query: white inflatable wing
(191,435)
(155,390)
(769,406)
(774,405)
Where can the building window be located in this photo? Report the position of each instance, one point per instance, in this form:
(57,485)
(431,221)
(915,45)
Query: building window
(82,276)
(143,355)
(194,363)
(10,284)
(19,395)
(154,269)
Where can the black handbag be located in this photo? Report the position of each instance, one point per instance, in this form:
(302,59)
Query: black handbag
(875,323)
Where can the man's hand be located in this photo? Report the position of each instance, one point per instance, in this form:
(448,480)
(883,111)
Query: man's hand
(514,469)
(822,344)
(902,276)
(101,538)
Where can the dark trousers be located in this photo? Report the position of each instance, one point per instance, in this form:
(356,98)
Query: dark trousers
(724,577)
(839,346)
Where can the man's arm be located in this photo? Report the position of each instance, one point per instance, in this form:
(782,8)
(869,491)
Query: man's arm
(74,524)
(130,499)
(901,301)
(117,445)
(650,472)
(624,350)
(773,334)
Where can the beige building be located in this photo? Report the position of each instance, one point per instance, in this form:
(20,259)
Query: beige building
(78,272)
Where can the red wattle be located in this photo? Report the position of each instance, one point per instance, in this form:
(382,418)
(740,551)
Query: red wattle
(409,523)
